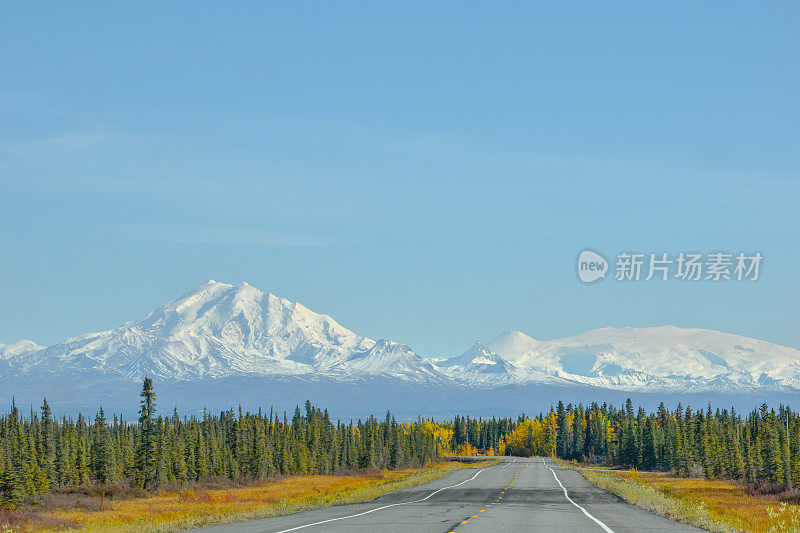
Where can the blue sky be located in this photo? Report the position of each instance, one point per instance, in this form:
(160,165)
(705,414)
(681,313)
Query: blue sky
(427,174)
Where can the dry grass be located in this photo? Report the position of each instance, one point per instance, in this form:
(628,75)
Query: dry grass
(710,504)
(175,510)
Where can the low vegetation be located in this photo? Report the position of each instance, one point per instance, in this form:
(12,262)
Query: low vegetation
(213,503)
(715,505)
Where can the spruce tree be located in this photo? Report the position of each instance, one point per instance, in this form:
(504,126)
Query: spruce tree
(47,453)
(649,458)
(148,439)
(102,457)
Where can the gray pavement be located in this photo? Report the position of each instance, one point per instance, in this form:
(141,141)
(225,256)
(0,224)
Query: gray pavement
(516,495)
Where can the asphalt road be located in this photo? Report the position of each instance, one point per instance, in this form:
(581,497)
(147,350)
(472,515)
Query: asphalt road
(516,495)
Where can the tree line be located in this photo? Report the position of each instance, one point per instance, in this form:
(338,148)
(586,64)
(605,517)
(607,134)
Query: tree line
(40,453)
(761,448)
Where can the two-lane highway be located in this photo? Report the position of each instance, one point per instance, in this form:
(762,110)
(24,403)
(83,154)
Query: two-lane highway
(519,494)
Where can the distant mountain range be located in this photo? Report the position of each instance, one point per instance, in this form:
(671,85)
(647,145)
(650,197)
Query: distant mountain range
(220,331)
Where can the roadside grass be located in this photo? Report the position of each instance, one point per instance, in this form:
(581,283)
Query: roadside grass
(710,504)
(184,509)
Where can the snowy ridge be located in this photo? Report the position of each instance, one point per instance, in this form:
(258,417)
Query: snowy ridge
(16,349)
(664,357)
(219,330)
(479,363)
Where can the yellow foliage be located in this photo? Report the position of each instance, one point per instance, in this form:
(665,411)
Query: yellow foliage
(442,436)
(465,449)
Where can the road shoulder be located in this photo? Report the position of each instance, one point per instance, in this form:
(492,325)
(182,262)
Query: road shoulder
(679,506)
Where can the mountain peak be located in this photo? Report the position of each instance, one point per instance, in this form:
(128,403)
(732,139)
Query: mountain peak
(512,345)
(516,334)
(479,359)
(18,348)
(221,330)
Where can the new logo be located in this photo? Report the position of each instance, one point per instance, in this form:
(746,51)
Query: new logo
(591,266)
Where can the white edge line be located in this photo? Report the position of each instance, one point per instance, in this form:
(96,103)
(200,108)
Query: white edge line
(383,507)
(566,495)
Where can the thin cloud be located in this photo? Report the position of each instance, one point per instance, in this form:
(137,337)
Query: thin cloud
(231,237)
(64,142)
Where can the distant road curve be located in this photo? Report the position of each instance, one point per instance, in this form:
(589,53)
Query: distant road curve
(516,495)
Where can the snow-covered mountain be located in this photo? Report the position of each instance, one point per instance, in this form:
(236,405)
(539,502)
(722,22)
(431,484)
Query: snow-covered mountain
(655,358)
(225,331)
(7,351)
(214,331)
(479,363)
(388,357)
